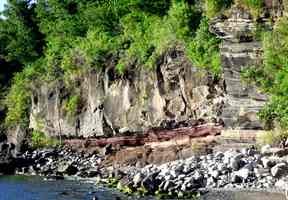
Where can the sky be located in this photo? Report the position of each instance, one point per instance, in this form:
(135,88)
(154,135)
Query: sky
(2,2)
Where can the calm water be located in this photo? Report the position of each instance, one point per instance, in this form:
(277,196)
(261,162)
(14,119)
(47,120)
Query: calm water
(35,188)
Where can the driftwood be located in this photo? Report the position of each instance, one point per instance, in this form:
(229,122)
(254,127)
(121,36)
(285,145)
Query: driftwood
(152,135)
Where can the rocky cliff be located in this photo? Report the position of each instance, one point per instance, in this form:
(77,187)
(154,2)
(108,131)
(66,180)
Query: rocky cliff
(175,90)
(239,50)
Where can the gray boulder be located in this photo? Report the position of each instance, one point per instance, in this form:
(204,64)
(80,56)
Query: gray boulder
(280,169)
(67,168)
(267,163)
(137,179)
(243,173)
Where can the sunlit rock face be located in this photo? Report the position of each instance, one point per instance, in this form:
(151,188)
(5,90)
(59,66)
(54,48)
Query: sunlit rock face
(142,98)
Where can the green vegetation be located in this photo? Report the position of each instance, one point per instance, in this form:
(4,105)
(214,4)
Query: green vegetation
(214,7)
(273,75)
(39,140)
(203,50)
(71,105)
(142,191)
(52,40)
(255,6)
(18,101)
(274,137)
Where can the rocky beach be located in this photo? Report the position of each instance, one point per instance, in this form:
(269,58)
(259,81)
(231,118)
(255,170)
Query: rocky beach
(246,169)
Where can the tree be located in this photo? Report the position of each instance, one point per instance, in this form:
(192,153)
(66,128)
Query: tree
(20,38)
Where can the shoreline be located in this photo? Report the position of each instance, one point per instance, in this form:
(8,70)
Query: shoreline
(206,193)
(184,178)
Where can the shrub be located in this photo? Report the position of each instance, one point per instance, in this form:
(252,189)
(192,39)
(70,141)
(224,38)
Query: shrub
(275,113)
(71,105)
(255,6)
(18,98)
(120,68)
(214,7)
(39,140)
(203,51)
(18,102)
(149,36)
(274,137)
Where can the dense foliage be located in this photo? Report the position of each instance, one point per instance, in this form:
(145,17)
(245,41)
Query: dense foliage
(51,40)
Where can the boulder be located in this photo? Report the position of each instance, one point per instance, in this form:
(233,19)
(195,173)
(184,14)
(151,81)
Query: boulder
(150,184)
(235,178)
(124,130)
(8,162)
(267,163)
(215,174)
(266,149)
(67,168)
(243,173)
(261,172)
(108,149)
(279,170)
(236,162)
(137,179)
(167,185)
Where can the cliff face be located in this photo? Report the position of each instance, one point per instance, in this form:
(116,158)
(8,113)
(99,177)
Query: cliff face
(141,99)
(239,51)
(174,90)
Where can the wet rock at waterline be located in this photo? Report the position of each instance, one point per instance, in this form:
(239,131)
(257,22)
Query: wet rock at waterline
(7,153)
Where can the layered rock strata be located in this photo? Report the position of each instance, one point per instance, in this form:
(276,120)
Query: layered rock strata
(239,51)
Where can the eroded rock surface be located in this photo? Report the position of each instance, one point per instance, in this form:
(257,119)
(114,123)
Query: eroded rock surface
(239,51)
(143,98)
